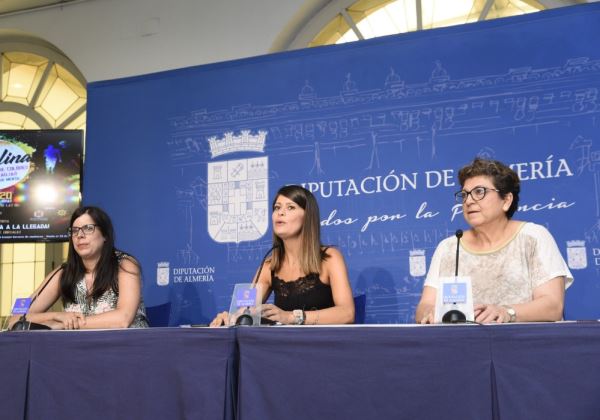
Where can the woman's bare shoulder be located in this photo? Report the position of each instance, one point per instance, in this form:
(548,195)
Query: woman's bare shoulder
(332,253)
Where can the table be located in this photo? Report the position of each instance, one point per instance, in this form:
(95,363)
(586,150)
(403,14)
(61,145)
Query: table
(14,372)
(547,371)
(365,373)
(510,371)
(163,373)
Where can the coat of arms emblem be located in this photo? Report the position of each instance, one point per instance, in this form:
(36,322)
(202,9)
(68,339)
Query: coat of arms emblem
(576,255)
(238,202)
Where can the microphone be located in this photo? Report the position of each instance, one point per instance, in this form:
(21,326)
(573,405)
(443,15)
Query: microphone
(458,234)
(454,316)
(22,324)
(246,318)
(262,263)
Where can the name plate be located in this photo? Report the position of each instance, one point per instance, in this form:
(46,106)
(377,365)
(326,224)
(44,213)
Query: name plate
(21,306)
(454,294)
(246,301)
(245,297)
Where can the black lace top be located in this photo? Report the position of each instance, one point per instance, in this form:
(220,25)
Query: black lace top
(308,293)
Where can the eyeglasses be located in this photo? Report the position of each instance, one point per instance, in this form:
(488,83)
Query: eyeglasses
(477,194)
(86,229)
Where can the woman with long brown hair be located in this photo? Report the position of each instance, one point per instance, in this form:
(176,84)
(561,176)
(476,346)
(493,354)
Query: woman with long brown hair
(309,280)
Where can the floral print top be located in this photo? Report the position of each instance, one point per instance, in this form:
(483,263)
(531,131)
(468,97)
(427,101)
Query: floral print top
(106,302)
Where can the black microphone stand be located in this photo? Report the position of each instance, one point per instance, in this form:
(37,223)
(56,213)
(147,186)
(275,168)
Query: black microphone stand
(454,316)
(246,319)
(22,324)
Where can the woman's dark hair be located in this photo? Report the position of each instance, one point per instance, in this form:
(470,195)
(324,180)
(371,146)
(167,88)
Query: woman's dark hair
(107,269)
(504,179)
(312,254)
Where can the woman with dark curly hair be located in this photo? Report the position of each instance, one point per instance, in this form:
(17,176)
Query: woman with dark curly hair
(100,286)
(516,268)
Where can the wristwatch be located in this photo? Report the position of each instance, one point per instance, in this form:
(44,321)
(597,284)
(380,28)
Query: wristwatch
(299,316)
(511,312)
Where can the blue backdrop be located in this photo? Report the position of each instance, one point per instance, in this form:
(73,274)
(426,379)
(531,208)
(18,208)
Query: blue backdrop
(187,161)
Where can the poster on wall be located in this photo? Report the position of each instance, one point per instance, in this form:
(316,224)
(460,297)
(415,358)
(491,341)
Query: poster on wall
(40,183)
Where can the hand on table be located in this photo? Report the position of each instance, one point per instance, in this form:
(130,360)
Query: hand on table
(222,319)
(276,314)
(67,321)
(487,314)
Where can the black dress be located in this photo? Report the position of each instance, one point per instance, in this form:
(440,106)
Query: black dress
(308,293)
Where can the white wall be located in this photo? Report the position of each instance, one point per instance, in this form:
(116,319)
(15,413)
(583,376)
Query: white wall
(108,39)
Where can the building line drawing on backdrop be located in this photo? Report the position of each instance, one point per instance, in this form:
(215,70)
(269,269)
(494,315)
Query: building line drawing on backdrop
(446,117)
(403,117)
(589,160)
